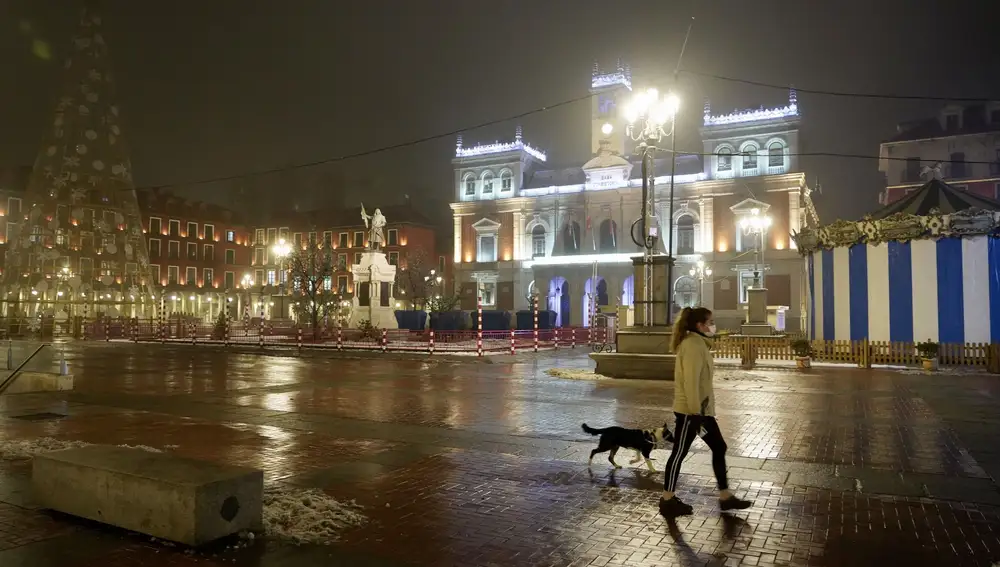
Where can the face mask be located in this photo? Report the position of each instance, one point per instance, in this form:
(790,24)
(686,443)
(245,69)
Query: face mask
(711,330)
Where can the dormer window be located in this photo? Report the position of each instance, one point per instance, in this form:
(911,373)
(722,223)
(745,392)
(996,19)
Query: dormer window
(488,184)
(506,181)
(725,158)
(750,157)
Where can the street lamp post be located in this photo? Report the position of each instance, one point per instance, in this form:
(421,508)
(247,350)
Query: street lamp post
(756,224)
(700,271)
(646,115)
(281,251)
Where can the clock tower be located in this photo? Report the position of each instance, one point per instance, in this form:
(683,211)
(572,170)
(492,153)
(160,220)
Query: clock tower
(610,90)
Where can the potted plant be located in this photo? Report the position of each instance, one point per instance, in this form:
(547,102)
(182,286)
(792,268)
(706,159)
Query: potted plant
(803,353)
(928,354)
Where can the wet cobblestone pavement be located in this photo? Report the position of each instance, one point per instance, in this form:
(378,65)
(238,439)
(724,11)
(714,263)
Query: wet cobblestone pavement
(475,463)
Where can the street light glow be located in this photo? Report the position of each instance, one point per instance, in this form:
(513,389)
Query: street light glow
(607,128)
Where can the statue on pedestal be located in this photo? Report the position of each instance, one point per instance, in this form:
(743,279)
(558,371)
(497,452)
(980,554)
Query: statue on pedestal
(376,234)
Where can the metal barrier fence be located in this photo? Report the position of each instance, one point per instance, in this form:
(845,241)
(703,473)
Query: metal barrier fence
(265,333)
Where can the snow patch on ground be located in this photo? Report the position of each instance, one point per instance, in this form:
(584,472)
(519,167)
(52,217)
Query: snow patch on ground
(949,370)
(308,516)
(575,374)
(142,448)
(16,449)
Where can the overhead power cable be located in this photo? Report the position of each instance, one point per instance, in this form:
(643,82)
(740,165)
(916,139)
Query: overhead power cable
(848,94)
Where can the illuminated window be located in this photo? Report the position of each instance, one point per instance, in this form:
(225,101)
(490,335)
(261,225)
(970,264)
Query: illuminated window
(538,241)
(775,154)
(230,236)
(270,277)
(208,277)
(725,159)
(750,157)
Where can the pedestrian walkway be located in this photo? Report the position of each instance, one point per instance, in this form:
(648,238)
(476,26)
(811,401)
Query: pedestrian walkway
(484,464)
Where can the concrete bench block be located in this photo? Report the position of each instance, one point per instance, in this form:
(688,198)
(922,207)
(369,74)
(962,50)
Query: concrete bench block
(157,494)
(31,382)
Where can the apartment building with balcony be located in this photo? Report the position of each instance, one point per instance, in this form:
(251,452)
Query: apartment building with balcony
(961,142)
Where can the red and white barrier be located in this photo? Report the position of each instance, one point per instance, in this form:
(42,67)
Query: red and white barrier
(479,326)
(534,308)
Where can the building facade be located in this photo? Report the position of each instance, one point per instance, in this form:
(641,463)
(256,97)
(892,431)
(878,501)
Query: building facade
(410,243)
(522,228)
(198,253)
(962,143)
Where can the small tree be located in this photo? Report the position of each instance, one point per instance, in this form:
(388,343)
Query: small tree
(417,280)
(309,268)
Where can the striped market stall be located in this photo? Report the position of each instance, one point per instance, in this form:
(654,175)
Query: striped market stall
(926,267)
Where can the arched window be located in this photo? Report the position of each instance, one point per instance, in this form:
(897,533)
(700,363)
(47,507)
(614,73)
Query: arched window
(538,241)
(571,238)
(725,156)
(506,181)
(470,185)
(487,183)
(685,235)
(686,292)
(608,236)
(750,157)
(775,154)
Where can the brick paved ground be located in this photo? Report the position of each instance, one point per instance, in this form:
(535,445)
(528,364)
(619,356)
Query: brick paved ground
(484,464)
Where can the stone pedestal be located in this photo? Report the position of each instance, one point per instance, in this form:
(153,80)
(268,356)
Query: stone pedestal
(643,352)
(756,323)
(373,291)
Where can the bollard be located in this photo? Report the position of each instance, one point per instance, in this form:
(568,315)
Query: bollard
(512,342)
(300,339)
(225,333)
(534,308)
(572,338)
(260,333)
(194,332)
(479,326)
(340,338)
(555,339)
(63,367)
(107,329)
(10,354)
(83,325)
(385,340)
(163,328)
(135,330)
(431,344)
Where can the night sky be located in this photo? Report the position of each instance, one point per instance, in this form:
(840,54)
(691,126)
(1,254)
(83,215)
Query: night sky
(226,87)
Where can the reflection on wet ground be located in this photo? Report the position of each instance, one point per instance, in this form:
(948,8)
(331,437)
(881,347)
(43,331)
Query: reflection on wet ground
(478,463)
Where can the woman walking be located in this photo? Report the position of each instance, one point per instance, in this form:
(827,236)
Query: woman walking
(694,408)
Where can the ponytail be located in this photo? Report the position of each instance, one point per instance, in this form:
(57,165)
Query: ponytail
(687,322)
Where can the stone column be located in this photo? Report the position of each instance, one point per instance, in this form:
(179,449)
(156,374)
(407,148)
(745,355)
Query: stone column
(707,225)
(794,218)
(518,252)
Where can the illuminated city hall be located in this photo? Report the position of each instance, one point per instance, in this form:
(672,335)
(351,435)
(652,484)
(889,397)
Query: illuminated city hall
(523,228)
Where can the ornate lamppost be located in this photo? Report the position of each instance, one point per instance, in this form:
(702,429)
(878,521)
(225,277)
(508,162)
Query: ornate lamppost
(700,271)
(756,224)
(281,251)
(646,114)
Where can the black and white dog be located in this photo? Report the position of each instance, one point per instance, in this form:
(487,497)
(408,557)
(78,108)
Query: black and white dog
(642,441)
